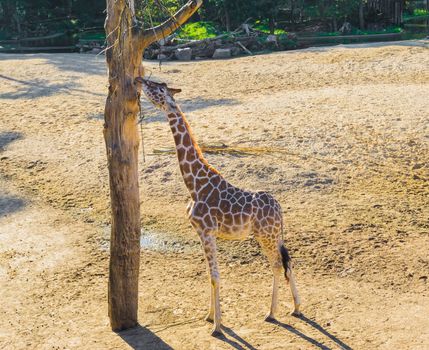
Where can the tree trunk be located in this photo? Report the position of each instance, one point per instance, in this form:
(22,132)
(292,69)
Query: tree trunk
(126,43)
(69,7)
(9,14)
(271,24)
(427,18)
(122,142)
(227,18)
(361,16)
(334,24)
(398,12)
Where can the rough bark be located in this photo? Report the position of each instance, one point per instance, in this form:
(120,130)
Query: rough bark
(125,45)
(122,142)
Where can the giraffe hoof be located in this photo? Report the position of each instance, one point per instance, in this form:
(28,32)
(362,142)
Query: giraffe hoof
(270,318)
(217,333)
(209,318)
(296,313)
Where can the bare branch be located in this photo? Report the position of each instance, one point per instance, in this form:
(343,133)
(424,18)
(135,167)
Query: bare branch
(169,26)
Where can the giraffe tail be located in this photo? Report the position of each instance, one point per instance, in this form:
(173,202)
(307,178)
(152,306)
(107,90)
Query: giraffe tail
(286,260)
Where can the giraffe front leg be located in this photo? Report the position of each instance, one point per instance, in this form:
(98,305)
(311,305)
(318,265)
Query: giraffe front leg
(210,315)
(209,244)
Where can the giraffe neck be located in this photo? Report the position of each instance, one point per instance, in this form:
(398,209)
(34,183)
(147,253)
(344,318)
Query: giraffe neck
(193,166)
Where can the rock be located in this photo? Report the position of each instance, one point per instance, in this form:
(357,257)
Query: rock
(271,38)
(183,54)
(346,28)
(222,53)
(161,56)
(235,51)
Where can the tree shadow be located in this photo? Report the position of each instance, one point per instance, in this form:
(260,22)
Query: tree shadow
(194,104)
(10,204)
(139,338)
(95,116)
(237,342)
(93,64)
(40,88)
(8,137)
(74,62)
(152,114)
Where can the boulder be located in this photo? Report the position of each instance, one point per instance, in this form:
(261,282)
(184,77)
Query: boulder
(272,38)
(184,54)
(222,53)
(235,51)
(346,28)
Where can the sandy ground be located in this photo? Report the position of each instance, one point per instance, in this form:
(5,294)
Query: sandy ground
(344,133)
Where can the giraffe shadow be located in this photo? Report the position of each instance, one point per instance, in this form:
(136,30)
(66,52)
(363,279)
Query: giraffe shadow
(10,204)
(322,330)
(7,137)
(312,341)
(235,340)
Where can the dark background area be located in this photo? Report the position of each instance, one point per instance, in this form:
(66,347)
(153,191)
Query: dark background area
(65,22)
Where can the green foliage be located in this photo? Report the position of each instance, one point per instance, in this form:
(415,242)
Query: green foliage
(420,12)
(153,12)
(198,31)
(387,30)
(286,43)
(96,36)
(262,26)
(356,31)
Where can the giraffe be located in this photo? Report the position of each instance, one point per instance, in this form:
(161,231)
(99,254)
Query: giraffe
(220,210)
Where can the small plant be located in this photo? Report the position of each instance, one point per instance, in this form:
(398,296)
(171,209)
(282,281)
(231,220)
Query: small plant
(198,31)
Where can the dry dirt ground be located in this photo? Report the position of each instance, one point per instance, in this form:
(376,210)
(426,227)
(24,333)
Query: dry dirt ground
(340,136)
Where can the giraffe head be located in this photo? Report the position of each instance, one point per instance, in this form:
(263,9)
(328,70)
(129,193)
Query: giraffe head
(158,93)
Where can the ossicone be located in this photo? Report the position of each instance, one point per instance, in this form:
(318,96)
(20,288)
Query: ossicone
(173,91)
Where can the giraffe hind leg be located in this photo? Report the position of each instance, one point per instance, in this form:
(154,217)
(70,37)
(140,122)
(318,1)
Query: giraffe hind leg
(279,259)
(270,249)
(290,278)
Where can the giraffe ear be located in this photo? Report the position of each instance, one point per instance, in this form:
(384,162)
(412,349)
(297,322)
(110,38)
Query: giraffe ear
(173,91)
